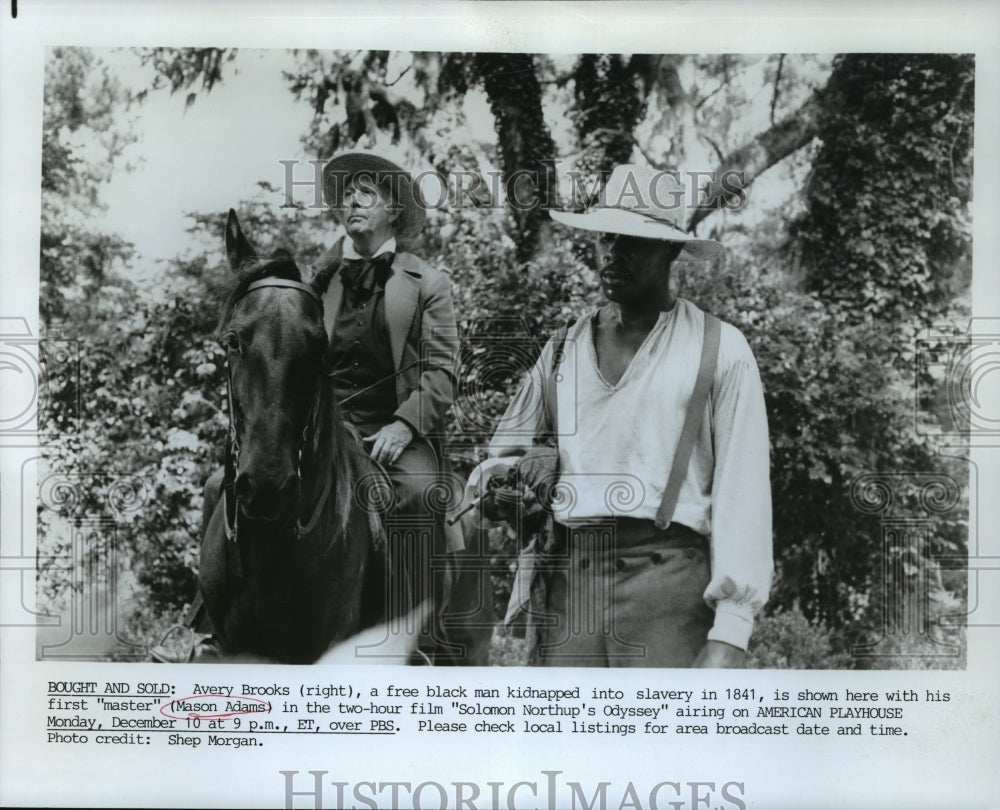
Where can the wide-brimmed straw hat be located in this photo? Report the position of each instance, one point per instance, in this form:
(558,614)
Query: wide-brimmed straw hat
(342,169)
(642,201)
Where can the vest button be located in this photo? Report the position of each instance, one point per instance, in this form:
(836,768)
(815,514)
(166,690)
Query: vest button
(620,564)
(657,557)
(691,551)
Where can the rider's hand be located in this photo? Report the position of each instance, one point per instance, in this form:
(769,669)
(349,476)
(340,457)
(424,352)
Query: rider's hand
(388,444)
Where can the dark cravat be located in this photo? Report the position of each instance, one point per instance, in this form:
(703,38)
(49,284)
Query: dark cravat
(361,276)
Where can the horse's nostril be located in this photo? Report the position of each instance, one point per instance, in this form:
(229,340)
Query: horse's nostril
(245,489)
(265,498)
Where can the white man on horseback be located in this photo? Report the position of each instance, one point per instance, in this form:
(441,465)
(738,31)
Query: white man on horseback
(647,440)
(393,350)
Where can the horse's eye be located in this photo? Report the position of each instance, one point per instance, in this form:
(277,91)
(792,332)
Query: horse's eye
(231,341)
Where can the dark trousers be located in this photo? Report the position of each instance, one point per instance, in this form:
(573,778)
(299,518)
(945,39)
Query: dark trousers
(620,593)
(413,528)
(414,475)
(421,567)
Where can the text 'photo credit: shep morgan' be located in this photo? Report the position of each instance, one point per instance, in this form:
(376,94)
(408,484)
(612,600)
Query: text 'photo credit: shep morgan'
(582,405)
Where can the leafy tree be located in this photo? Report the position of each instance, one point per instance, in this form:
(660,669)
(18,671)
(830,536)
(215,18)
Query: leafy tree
(828,392)
(887,225)
(81,115)
(183,68)
(608,106)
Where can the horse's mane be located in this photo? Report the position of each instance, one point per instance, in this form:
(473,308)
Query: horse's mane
(341,453)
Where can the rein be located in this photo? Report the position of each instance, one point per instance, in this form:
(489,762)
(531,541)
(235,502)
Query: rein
(233,460)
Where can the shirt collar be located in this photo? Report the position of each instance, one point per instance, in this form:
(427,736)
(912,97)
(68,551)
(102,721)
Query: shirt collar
(350,252)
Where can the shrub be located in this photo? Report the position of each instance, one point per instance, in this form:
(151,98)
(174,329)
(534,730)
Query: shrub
(788,640)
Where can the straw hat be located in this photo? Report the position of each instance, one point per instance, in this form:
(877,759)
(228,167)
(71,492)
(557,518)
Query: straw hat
(644,202)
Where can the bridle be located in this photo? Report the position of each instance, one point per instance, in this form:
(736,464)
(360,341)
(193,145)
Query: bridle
(233,456)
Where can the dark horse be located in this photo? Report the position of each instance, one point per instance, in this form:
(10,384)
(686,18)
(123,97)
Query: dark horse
(291,561)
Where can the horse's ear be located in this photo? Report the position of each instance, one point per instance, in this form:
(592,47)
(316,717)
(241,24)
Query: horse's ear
(238,247)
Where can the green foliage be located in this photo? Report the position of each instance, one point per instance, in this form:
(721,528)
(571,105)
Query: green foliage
(608,106)
(941,648)
(507,651)
(181,68)
(515,95)
(80,147)
(150,411)
(828,391)
(788,640)
(507,310)
(884,247)
(887,222)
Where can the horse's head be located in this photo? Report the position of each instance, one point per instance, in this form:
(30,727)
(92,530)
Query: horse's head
(272,331)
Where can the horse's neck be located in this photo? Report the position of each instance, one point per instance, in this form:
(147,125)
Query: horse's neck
(329,469)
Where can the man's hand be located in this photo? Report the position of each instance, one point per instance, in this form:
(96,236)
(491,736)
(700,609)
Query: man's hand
(496,503)
(538,466)
(388,444)
(719,655)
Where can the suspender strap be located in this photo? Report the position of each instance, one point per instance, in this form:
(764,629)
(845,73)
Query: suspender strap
(549,400)
(692,421)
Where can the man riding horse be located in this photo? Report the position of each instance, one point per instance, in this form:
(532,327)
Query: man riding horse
(393,341)
(392,336)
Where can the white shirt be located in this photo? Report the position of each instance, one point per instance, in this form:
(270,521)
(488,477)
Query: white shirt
(617,442)
(351,252)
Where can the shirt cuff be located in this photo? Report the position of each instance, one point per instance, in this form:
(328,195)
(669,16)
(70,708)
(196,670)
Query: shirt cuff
(413,428)
(733,624)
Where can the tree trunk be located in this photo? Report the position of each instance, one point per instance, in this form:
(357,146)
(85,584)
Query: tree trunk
(515,96)
(608,106)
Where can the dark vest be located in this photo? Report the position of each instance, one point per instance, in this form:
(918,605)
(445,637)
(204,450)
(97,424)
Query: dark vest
(360,354)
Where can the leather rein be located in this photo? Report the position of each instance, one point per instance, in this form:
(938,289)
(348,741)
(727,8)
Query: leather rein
(233,456)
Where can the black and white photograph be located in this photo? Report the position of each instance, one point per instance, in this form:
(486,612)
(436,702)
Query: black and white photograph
(534,399)
(534,200)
